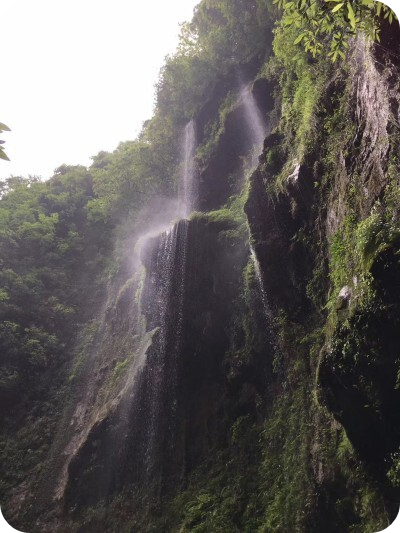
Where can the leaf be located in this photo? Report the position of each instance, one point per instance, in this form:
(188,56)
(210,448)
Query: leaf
(336,8)
(3,127)
(351,16)
(299,38)
(3,155)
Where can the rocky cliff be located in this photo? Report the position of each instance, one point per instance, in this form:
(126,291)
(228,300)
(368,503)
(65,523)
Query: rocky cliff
(243,371)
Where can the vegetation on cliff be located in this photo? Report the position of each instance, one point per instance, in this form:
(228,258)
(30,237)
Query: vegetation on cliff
(287,388)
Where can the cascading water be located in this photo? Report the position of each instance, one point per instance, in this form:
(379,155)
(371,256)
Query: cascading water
(257,128)
(145,401)
(255,122)
(138,433)
(154,401)
(257,270)
(162,306)
(142,440)
(136,443)
(189,185)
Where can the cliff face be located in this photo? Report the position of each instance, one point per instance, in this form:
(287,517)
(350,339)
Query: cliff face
(242,374)
(325,231)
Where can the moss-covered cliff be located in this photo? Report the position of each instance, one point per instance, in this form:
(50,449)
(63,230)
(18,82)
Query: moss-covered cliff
(238,369)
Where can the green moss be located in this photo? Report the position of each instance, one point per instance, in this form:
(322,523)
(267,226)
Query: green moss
(231,218)
(120,368)
(394,471)
(216,128)
(353,250)
(287,485)
(222,497)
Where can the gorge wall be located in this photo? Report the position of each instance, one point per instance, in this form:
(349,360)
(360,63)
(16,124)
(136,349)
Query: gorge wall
(241,371)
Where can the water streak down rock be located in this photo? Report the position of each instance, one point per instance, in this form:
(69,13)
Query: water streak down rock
(189,180)
(162,305)
(255,122)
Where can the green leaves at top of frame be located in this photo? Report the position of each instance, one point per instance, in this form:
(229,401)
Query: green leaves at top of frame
(319,25)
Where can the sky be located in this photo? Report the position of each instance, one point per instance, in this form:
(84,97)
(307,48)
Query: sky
(78,76)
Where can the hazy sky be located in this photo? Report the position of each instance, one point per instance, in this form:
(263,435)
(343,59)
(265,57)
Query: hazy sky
(78,76)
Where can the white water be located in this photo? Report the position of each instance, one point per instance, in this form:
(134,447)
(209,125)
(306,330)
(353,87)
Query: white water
(264,299)
(258,128)
(256,124)
(189,186)
(167,283)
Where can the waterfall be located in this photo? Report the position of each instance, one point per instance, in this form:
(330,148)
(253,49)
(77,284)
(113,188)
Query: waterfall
(137,442)
(257,128)
(162,305)
(189,186)
(127,392)
(154,401)
(255,122)
(257,270)
(141,438)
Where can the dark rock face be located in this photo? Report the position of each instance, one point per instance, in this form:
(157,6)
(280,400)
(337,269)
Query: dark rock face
(359,368)
(274,222)
(215,188)
(292,226)
(359,372)
(172,415)
(216,182)
(230,82)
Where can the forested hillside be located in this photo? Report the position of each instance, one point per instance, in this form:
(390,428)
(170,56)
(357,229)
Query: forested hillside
(200,331)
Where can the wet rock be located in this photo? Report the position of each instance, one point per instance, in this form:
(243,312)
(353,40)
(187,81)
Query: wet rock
(344,297)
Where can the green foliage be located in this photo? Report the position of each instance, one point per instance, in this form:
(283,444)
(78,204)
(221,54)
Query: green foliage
(222,33)
(394,471)
(215,130)
(353,250)
(320,23)
(301,87)
(124,180)
(287,485)
(342,264)
(49,250)
(231,216)
(230,31)
(223,497)
(373,235)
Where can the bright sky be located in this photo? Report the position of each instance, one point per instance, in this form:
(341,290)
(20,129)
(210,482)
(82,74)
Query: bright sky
(78,76)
